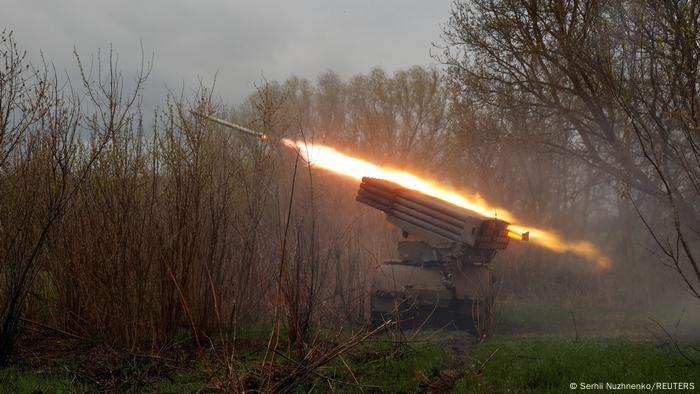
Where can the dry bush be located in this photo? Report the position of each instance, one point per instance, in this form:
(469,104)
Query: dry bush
(42,166)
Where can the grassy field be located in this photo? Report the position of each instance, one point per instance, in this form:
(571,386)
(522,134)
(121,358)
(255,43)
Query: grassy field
(13,380)
(551,364)
(521,357)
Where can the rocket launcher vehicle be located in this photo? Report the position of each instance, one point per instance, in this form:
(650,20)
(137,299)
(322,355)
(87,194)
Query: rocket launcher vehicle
(443,272)
(432,220)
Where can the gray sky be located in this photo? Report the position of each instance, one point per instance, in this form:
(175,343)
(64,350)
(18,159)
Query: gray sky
(241,39)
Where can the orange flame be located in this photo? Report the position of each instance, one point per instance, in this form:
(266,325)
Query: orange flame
(327,158)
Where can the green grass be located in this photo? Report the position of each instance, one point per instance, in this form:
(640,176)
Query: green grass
(535,349)
(593,321)
(517,364)
(13,380)
(522,319)
(381,364)
(550,364)
(400,369)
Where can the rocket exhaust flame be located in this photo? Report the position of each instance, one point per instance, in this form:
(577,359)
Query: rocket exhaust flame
(327,158)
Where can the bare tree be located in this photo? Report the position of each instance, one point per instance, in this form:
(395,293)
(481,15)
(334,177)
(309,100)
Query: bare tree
(44,163)
(618,79)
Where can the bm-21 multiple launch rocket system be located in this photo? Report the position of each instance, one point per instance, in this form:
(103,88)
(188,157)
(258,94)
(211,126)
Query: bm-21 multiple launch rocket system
(443,274)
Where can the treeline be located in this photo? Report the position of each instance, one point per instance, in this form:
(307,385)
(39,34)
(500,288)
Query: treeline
(613,85)
(130,232)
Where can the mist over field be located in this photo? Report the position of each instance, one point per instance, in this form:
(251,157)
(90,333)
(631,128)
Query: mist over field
(455,196)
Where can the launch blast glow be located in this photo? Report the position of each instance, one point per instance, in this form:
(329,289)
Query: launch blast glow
(327,158)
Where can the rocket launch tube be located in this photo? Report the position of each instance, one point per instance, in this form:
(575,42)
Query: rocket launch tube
(456,230)
(431,206)
(435,209)
(383,201)
(426,226)
(424,213)
(411,219)
(431,212)
(368,188)
(440,206)
(371,203)
(409,215)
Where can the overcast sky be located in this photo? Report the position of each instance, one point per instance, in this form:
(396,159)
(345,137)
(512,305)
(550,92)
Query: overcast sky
(242,40)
